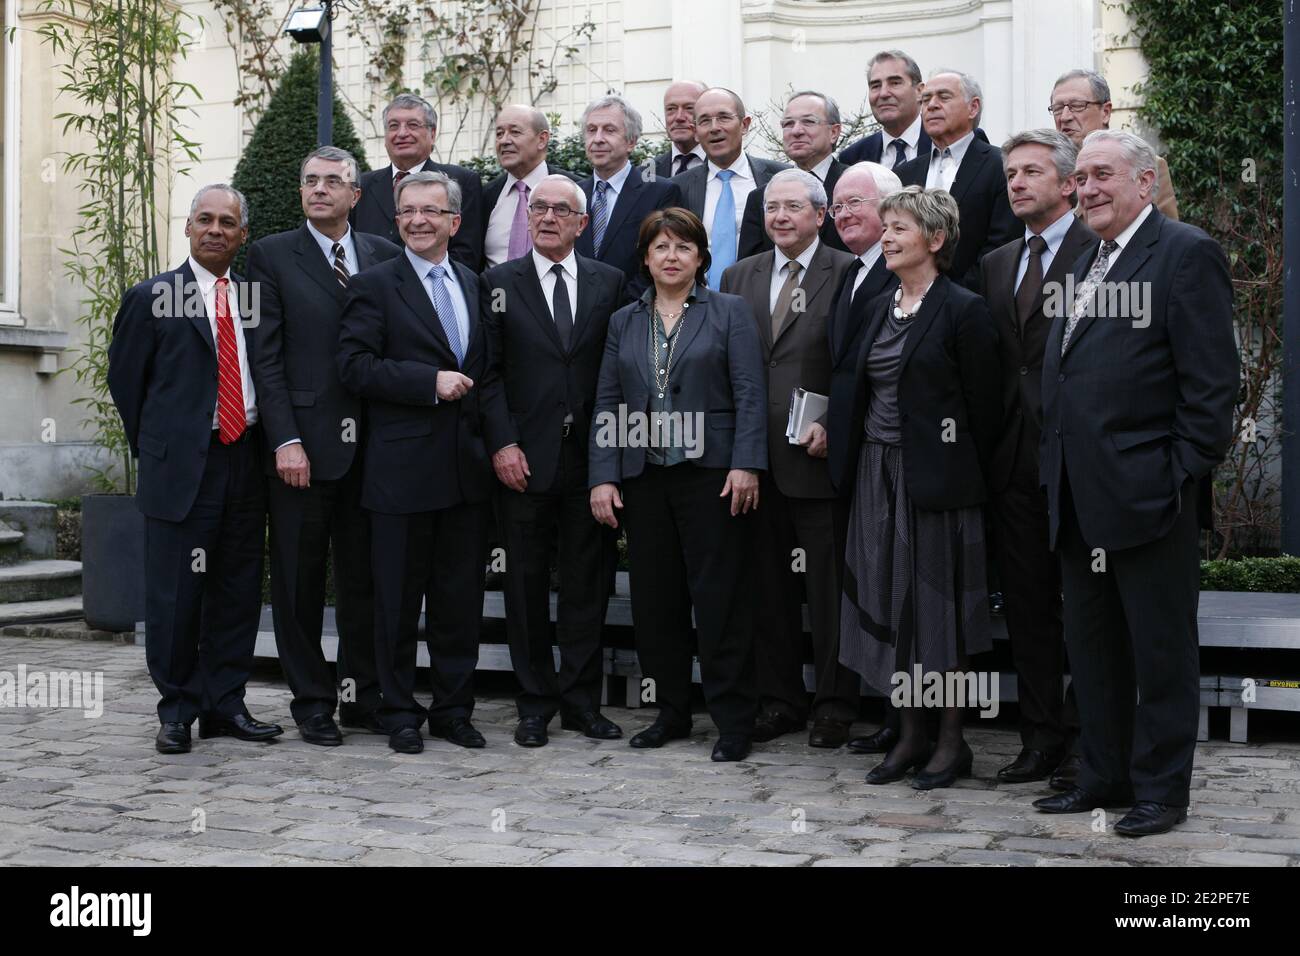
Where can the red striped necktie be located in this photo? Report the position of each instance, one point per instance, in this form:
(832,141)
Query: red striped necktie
(230,387)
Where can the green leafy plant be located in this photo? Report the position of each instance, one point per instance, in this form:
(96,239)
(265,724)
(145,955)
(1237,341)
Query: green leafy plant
(1275,575)
(566,152)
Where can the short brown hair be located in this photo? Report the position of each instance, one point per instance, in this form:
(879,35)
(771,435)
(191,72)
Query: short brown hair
(683,224)
(934,211)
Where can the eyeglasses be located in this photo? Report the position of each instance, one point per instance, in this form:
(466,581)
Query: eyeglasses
(429,212)
(1074,106)
(540,209)
(413,125)
(853,205)
(811,122)
(708,122)
(793,207)
(310,181)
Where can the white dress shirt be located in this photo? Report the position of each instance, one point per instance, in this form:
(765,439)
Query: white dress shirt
(742,184)
(697,158)
(327,247)
(1123,239)
(822,169)
(547,278)
(1053,235)
(911,138)
(944,163)
(868,260)
(207,283)
(779,273)
(496,243)
(422,267)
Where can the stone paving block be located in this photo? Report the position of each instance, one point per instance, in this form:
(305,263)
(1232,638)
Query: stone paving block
(1235,858)
(763,858)
(1044,846)
(902,852)
(495,853)
(335,852)
(976,841)
(583,859)
(680,852)
(993,858)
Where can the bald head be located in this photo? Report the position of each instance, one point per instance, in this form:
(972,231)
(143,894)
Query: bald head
(679,112)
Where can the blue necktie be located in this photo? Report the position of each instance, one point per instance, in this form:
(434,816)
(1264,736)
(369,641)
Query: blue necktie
(599,214)
(722,243)
(437,279)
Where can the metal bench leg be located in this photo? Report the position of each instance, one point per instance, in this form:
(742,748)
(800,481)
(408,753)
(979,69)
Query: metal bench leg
(1237,724)
(1203,724)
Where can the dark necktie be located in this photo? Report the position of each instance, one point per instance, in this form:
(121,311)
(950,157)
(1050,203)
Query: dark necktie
(682,161)
(900,153)
(561,308)
(854,269)
(1032,283)
(340,264)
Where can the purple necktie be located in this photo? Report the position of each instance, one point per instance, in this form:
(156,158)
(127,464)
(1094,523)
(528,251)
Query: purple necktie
(520,240)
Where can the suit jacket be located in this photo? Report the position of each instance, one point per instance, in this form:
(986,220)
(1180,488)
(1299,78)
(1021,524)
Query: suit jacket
(753,233)
(422,454)
(694,184)
(492,193)
(640,196)
(299,394)
(980,189)
(1131,413)
(870,148)
(717,372)
(375,212)
(1021,350)
(534,382)
(162,374)
(844,330)
(949,379)
(800,357)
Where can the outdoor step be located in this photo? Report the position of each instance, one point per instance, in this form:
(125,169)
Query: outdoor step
(11,545)
(30,612)
(39,581)
(37,520)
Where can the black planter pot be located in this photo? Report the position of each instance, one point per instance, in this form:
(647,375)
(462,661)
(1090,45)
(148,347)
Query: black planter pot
(112,562)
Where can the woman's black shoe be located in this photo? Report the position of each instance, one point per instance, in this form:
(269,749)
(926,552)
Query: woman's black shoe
(961,767)
(887,773)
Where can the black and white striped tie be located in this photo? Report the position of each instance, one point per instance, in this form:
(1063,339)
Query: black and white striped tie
(340,265)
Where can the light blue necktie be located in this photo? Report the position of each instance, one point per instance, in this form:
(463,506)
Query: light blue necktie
(437,279)
(599,214)
(722,243)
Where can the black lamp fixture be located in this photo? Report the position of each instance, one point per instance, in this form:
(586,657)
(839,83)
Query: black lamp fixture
(311,24)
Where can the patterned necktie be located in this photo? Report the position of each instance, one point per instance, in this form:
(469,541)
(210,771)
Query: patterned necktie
(784,298)
(1083,303)
(437,279)
(722,239)
(230,386)
(561,307)
(340,264)
(683,161)
(599,214)
(520,239)
(1032,283)
(900,153)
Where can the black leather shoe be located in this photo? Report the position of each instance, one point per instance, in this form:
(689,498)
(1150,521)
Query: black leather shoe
(997,604)
(731,747)
(773,724)
(173,738)
(321,730)
(459,731)
(1148,817)
(531,732)
(658,734)
(830,734)
(881,742)
(241,726)
(1066,774)
(367,720)
(592,724)
(406,740)
(1078,800)
(1029,766)
(888,773)
(961,767)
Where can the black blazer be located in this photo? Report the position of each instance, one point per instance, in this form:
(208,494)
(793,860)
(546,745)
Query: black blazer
(1022,351)
(533,382)
(870,148)
(980,189)
(949,376)
(491,195)
(299,394)
(753,234)
(694,184)
(844,329)
(641,195)
(162,374)
(422,454)
(717,371)
(1131,412)
(375,212)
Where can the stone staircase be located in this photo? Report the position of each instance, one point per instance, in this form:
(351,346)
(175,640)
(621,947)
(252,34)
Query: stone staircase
(34,586)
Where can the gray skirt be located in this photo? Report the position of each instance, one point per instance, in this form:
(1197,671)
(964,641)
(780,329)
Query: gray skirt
(915,581)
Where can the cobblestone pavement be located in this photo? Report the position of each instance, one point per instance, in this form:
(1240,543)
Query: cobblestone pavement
(77,790)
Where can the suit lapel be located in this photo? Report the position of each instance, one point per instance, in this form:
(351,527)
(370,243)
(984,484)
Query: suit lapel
(1072,246)
(627,198)
(530,288)
(411,290)
(199,319)
(971,164)
(582,308)
(384,194)
(757,290)
(922,321)
(819,271)
(314,266)
(1129,260)
(693,323)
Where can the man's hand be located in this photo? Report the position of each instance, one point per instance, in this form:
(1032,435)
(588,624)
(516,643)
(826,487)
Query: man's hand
(814,439)
(292,466)
(511,467)
(604,499)
(453,386)
(742,485)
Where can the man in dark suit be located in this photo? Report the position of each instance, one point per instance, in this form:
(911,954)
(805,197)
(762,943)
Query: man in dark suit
(311,427)
(410,125)
(178,371)
(413,347)
(894,92)
(1040,183)
(522,135)
(544,316)
(685,152)
(969,168)
(619,196)
(810,127)
(723,184)
(791,291)
(1139,383)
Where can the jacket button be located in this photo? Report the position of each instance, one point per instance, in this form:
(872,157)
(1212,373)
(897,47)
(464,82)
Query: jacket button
(1058,432)
(771,365)
(1024,370)
(1061,377)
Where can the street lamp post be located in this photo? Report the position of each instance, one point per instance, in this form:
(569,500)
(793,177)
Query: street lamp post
(312,25)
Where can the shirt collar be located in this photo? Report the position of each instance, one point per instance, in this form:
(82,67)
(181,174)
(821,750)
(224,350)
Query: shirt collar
(422,265)
(544,265)
(1123,239)
(1055,233)
(740,167)
(911,136)
(414,169)
(616,181)
(326,243)
(824,167)
(204,278)
(696,150)
(957,149)
(802,258)
(648,296)
(870,258)
(532,180)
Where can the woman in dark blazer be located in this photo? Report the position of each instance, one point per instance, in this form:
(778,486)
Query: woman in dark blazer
(924,422)
(678,435)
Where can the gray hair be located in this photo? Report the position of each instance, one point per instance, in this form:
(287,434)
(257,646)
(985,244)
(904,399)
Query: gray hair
(225,188)
(335,155)
(631,118)
(935,211)
(579,197)
(816,191)
(537,119)
(970,88)
(1100,88)
(409,101)
(1135,150)
(886,180)
(429,178)
(832,108)
(1064,152)
(913,70)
